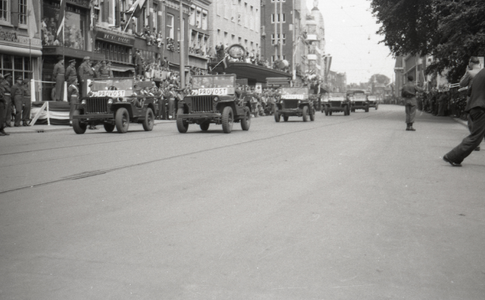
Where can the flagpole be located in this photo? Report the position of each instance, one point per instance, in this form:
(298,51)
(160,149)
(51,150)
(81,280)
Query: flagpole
(182,52)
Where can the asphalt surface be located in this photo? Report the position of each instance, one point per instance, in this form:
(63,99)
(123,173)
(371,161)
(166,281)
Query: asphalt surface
(346,207)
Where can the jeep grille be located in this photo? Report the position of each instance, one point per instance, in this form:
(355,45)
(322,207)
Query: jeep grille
(291,103)
(335,103)
(97,105)
(202,103)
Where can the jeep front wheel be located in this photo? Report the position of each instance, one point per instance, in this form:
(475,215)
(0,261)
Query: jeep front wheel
(149,120)
(109,127)
(312,114)
(227,119)
(182,125)
(78,127)
(305,113)
(246,120)
(122,120)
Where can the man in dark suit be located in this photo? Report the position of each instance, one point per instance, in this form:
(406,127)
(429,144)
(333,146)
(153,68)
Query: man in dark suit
(476,110)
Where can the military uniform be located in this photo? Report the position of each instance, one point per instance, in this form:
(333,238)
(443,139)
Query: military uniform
(409,91)
(71,70)
(59,77)
(2,110)
(27,103)
(7,114)
(18,97)
(73,96)
(85,72)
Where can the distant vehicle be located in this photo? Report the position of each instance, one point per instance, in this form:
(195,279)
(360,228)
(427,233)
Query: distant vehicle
(372,101)
(294,101)
(336,102)
(116,102)
(358,99)
(214,99)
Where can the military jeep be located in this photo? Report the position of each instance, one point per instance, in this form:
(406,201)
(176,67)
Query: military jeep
(116,102)
(294,101)
(373,101)
(214,99)
(358,99)
(336,102)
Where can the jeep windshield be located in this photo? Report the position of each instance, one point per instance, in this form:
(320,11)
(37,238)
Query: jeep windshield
(294,93)
(104,88)
(213,81)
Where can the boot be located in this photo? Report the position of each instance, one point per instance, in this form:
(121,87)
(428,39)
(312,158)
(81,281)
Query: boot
(3,133)
(410,127)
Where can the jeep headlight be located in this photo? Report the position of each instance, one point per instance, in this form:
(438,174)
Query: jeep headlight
(216,99)
(83,101)
(110,101)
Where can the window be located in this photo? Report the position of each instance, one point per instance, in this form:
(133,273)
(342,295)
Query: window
(279,38)
(16,65)
(169,26)
(4,11)
(204,20)
(278,18)
(23,12)
(155,18)
(73,35)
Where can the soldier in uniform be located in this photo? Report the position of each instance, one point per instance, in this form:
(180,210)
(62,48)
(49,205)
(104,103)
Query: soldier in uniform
(2,109)
(18,97)
(59,77)
(409,93)
(5,84)
(85,72)
(72,96)
(71,70)
(27,103)
(104,72)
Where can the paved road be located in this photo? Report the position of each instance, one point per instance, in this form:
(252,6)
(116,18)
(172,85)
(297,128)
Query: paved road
(340,208)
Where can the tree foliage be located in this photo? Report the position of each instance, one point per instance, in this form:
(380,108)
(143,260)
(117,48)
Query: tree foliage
(449,30)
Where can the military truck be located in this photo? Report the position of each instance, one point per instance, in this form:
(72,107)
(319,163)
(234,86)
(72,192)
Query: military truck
(214,99)
(116,102)
(294,101)
(336,102)
(372,101)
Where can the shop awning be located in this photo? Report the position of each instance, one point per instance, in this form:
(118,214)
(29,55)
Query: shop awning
(69,52)
(20,51)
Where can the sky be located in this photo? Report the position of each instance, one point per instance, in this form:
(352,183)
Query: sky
(351,40)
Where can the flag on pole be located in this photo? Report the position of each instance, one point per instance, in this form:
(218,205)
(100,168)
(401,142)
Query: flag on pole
(31,23)
(62,17)
(136,9)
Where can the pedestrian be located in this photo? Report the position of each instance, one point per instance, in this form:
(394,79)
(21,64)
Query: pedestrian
(85,73)
(73,97)
(409,93)
(2,108)
(27,102)
(466,81)
(59,76)
(18,99)
(7,115)
(476,109)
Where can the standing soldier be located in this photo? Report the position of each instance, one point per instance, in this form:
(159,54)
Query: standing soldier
(5,84)
(110,70)
(27,103)
(18,97)
(85,73)
(59,76)
(409,93)
(103,70)
(2,109)
(71,71)
(72,96)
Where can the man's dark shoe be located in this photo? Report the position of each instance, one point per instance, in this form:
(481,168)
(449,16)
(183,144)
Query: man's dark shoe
(477,148)
(17,125)
(454,164)
(410,129)
(4,133)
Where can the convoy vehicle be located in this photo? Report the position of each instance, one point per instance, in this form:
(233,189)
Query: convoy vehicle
(214,99)
(294,101)
(116,102)
(337,102)
(372,101)
(358,99)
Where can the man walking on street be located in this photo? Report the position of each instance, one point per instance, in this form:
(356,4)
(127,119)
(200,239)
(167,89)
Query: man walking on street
(466,81)
(409,93)
(476,110)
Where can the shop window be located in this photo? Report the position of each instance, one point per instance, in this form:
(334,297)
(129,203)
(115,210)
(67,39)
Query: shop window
(74,33)
(5,11)
(16,65)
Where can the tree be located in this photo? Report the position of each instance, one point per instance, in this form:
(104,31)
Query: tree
(379,78)
(449,30)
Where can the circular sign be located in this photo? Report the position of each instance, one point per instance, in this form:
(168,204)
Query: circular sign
(236,51)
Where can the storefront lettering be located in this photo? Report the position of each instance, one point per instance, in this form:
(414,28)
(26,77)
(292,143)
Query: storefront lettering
(115,38)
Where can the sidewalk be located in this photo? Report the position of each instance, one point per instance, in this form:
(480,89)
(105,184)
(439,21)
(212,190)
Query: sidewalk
(56,128)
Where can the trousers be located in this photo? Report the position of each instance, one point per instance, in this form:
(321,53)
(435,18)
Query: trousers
(466,147)
(410,105)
